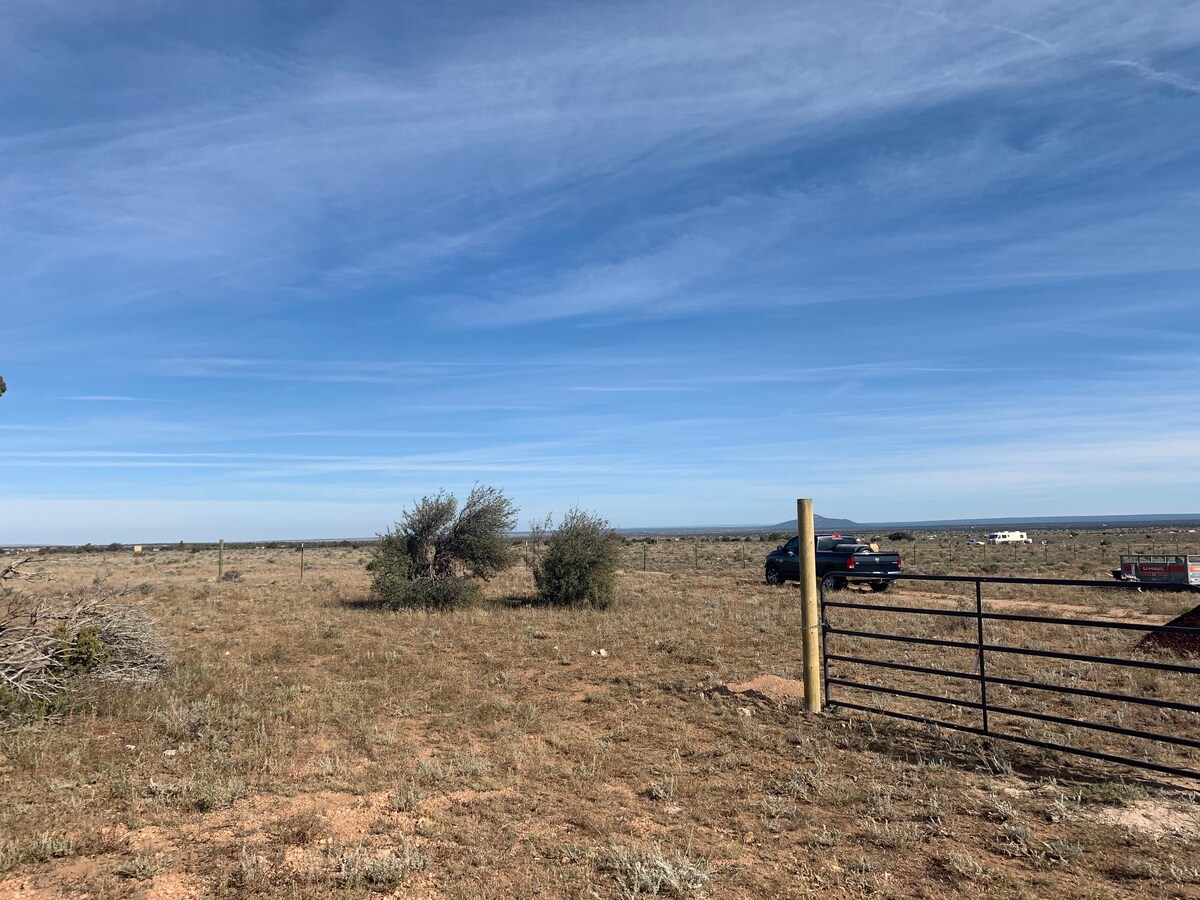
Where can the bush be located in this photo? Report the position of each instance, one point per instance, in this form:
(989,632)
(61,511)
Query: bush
(432,554)
(388,565)
(579,567)
(902,536)
(443,593)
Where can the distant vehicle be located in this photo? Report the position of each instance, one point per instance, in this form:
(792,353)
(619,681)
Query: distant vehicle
(976,543)
(1009,537)
(1160,568)
(862,563)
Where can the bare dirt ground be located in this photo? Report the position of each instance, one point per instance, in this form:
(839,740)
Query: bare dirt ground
(305,746)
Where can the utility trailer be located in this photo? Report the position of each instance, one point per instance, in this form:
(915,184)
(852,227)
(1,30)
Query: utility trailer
(1161,568)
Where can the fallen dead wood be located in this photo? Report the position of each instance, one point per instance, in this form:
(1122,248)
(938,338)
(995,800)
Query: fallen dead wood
(13,570)
(48,644)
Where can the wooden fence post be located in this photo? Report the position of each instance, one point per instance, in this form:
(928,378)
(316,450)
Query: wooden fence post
(810,615)
(221,558)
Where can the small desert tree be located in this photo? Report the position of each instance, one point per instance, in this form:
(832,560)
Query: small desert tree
(3,386)
(579,567)
(436,552)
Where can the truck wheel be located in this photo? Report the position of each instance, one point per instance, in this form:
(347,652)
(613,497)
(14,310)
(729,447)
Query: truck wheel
(773,576)
(835,584)
(880,586)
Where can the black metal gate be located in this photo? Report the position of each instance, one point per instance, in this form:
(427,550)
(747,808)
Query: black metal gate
(994,657)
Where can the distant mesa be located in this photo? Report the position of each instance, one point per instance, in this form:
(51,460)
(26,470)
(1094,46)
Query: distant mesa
(821,523)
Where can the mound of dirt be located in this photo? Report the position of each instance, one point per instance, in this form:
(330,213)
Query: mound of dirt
(1174,642)
(1158,819)
(768,689)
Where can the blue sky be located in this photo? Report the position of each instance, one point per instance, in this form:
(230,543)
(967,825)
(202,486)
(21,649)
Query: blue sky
(275,269)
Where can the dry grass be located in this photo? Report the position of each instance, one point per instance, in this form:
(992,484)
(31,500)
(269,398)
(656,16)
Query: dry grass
(304,747)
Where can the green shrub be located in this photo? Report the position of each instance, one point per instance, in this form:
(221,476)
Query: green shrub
(388,565)
(902,536)
(579,567)
(432,554)
(83,651)
(424,593)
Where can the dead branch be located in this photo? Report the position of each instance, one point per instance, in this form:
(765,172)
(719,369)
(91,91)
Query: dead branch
(13,570)
(38,637)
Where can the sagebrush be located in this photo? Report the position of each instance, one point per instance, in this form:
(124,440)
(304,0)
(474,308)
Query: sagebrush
(579,567)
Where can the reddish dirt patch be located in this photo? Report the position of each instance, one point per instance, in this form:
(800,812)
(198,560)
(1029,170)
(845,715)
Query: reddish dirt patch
(768,689)
(26,886)
(177,886)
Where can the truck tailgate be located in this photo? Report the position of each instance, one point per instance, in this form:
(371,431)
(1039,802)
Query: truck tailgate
(874,564)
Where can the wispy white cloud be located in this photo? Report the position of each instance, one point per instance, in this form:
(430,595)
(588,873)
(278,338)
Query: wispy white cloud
(537,112)
(1173,79)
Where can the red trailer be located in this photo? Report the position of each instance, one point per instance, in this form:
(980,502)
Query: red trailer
(1162,568)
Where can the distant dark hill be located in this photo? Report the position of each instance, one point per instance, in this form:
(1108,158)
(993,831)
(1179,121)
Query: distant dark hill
(820,523)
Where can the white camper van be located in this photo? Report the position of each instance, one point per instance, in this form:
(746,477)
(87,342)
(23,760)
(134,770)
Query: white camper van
(1009,537)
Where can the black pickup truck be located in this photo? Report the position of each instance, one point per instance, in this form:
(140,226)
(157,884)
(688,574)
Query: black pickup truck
(840,553)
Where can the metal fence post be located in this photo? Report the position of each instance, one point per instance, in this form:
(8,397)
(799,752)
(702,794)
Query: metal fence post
(982,665)
(824,645)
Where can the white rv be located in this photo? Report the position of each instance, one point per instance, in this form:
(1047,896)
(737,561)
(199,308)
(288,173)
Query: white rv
(1009,537)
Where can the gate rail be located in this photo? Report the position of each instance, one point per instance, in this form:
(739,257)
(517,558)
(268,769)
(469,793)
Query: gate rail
(983,648)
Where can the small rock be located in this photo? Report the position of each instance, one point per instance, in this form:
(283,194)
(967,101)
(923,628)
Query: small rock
(130,747)
(170,752)
(745,712)
(603,653)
